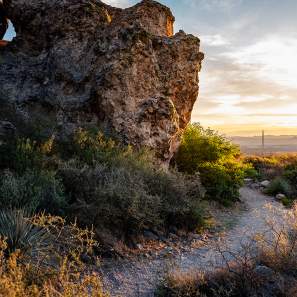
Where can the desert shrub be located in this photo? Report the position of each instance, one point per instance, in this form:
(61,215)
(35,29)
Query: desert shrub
(279,186)
(114,198)
(129,200)
(199,145)
(271,166)
(180,195)
(93,146)
(179,284)
(41,256)
(280,252)
(21,154)
(230,281)
(33,190)
(290,175)
(222,180)
(281,169)
(251,172)
(267,167)
(19,280)
(26,277)
(213,156)
(20,234)
(103,183)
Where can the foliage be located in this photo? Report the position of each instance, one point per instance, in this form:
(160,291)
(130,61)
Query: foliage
(33,190)
(41,256)
(279,186)
(89,147)
(251,172)
(222,180)
(22,154)
(214,157)
(21,234)
(199,145)
(291,175)
(102,183)
(23,277)
(129,200)
(271,166)
(281,169)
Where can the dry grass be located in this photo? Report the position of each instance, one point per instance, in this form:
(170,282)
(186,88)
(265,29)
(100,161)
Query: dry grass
(58,270)
(271,166)
(179,284)
(280,251)
(19,278)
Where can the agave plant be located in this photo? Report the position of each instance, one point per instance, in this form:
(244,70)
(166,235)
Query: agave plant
(20,234)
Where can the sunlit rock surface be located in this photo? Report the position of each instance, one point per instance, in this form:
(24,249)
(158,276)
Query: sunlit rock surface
(84,63)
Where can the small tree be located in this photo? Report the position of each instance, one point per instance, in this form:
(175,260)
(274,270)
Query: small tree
(214,156)
(199,145)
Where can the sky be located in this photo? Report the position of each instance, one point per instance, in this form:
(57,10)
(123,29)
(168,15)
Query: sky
(248,81)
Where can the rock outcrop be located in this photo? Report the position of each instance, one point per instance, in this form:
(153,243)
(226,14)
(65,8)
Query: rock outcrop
(84,63)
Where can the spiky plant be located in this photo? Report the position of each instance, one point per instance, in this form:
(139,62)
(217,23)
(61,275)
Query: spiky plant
(20,234)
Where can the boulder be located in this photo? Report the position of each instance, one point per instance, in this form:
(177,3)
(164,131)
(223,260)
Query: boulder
(82,63)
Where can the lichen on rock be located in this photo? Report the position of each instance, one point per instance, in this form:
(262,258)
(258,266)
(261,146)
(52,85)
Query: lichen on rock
(82,62)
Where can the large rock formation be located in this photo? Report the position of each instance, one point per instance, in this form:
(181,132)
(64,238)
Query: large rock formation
(83,63)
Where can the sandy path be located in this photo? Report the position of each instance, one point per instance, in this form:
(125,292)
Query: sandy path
(138,278)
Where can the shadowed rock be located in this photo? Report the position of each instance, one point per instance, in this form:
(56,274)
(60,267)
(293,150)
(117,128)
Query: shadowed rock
(84,63)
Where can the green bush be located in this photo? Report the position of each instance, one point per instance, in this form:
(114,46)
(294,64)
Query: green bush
(102,183)
(281,169)
(266,167)
(222,181)
(291,175)
(200,145)
(279,186)
(251,172)
(129,200)
(213,156)
(23,153)
(33,190)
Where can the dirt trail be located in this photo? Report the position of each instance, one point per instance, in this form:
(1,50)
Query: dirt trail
(139,278)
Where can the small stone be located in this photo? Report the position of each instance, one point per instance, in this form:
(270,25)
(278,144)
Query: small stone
(264,271)
(139,246)
(150,235)
(265,183)
(280,197)
(173,236)
(196,237)
(255,186)
(248,180)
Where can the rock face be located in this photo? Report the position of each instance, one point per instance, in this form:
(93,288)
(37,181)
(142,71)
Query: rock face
(84,63)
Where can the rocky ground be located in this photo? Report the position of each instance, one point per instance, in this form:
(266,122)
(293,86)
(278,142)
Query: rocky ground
(139,276)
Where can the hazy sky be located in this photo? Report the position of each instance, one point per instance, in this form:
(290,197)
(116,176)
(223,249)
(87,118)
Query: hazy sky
(249,76)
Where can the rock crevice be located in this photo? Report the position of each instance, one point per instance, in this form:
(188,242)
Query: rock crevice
(82,62)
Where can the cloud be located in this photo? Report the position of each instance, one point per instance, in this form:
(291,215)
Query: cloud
(118,3)
(213,4)
(214,40)
(274,57)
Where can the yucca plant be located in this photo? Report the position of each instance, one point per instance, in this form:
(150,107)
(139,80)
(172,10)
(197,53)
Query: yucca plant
(21,234)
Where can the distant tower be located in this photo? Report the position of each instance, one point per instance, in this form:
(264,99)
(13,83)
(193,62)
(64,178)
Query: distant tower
(263,142)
